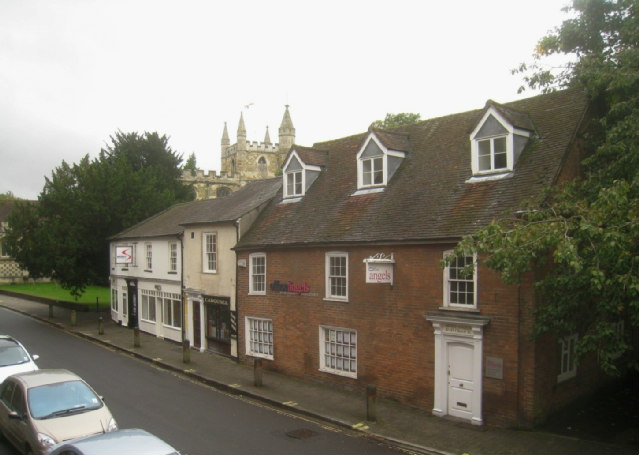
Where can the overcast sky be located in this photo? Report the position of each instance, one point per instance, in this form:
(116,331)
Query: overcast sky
(73,72)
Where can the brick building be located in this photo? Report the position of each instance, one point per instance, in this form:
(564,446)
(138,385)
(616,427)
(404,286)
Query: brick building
(340,281)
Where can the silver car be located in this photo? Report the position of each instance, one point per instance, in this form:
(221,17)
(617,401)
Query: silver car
(121,442)
(45,407)
(14,358)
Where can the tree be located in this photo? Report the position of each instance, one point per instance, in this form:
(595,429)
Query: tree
(393,120)
(65,235)
(191,164)
(581,240)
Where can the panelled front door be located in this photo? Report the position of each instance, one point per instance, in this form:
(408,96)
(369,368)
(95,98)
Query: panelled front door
(197,335)
(460,380)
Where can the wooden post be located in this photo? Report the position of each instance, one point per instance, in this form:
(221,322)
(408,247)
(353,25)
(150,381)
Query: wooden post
(51,311)
(74,318)
(257,372)
(371,403)
(136,337)
(100,326)
(186,351)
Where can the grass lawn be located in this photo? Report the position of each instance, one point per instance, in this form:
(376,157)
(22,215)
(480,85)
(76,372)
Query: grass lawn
(55,291)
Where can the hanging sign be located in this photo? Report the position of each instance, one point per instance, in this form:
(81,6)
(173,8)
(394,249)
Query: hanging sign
(123,254)
(379,268)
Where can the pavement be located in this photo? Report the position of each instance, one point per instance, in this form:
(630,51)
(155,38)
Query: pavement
(410,429)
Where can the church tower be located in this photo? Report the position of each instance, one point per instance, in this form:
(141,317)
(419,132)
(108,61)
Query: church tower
(287,133)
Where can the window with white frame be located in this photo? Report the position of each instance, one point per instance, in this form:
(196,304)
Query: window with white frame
(148,305)
(257,273)
(114,299)
(567,363)
(492,154)
(337,276)
(172,309)
(373,171)
(338,351)
(294,183)
(209,252)
(496,144)
(149,256)
(460,282)
(173,257)
(259,337)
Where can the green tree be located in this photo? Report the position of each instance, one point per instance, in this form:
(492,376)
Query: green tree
(65,235)
(581,240)
(393,120)
(191,164)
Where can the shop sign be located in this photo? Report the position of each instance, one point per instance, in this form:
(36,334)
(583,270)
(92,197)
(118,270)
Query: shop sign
(123,254)
(216,300)
(291,288)
(379,273)
(494,368)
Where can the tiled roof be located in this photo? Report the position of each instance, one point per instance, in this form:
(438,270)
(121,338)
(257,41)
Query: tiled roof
(171,221)
(310,155)
(6,207)
(428,198)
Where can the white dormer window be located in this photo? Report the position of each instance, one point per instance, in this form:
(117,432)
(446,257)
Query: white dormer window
(376,165)
(297,176)
(495,147)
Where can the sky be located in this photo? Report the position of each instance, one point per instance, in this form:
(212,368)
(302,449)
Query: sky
(74,72)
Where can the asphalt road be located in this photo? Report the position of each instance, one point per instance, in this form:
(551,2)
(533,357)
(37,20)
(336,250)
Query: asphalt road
(194,418)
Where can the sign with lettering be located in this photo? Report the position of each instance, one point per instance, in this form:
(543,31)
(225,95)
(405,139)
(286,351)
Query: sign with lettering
(291,288)
(457,329)
(379,273)
(216,300)
(123,254)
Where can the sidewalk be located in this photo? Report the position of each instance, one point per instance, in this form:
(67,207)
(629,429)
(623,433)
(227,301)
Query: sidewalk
(412,429)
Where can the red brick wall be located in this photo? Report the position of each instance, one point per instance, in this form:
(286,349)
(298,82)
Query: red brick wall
(395,341)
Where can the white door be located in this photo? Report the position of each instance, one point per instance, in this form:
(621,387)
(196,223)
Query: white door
(461,383)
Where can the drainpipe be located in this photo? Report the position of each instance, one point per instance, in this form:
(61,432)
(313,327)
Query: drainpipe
(238,235)
(181,238)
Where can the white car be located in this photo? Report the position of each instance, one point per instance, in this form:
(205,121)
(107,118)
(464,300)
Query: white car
(121,442)
(45,407)
(14,358)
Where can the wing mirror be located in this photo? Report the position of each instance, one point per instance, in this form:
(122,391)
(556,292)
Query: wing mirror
(35,357)
(14,415)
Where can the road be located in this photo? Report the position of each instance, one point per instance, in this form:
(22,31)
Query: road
(192,417)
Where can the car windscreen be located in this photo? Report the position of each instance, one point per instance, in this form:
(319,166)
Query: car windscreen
(61,399)
(12,354)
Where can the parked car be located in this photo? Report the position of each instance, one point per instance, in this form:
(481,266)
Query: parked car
(14,358)
(44,407)
(122,442)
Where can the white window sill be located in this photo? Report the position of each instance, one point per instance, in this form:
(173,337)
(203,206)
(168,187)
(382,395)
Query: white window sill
(368,191)
(335,299)
(490,177)
(257,293)
(291,200)
(260,356)
(346,374)
(464,309)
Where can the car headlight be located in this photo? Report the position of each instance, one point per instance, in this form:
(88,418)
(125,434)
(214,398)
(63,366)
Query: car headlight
(45,440)
(112,425)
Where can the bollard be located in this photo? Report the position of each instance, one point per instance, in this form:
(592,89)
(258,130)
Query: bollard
(51,311)
(136,337)
(100,326)
(257,372)
(371,403)
(74,318)
(186,351)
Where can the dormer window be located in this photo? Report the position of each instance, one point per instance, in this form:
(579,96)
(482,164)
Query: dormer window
(377,161)
(301,168)
(497,142)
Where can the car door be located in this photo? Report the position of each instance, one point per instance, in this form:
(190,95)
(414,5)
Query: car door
(6,394)
(19,427)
